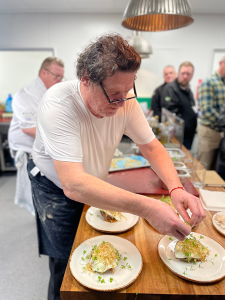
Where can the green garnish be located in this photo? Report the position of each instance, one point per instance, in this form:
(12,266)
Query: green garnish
(215,255)
(111,279)
(125,258)
(170,238)
(82,258)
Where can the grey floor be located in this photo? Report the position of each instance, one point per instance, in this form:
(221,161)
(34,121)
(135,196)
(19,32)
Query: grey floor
(23,274)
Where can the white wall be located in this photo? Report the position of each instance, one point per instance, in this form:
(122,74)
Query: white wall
(68,34)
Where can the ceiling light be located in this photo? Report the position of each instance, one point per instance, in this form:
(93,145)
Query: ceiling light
(140,44)
(157,15)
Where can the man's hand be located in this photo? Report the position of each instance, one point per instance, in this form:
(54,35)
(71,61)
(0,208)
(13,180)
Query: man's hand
(182,201)
(164,219)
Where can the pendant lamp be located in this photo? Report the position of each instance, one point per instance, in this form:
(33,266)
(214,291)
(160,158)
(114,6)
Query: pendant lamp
(157,15)
(140,44)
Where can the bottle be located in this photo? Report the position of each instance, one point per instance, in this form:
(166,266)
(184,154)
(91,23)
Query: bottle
(165,134)
(155,127)
(8,104)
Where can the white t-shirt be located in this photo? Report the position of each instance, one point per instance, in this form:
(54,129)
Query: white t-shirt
(68,131)
(25,104)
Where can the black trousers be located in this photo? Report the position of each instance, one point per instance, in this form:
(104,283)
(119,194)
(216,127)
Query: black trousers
(57,269)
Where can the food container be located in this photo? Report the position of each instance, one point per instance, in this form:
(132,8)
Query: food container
(179,165)
(176,154)
(182,174)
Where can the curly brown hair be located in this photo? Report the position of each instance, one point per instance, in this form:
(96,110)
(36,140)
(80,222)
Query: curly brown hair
(108,54)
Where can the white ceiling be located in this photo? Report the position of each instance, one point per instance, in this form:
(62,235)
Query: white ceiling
(95,6)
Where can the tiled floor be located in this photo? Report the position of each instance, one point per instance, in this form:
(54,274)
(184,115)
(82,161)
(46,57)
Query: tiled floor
(23,274)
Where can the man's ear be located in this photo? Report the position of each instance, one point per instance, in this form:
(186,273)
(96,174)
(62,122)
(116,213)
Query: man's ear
(85,80)
(42,72)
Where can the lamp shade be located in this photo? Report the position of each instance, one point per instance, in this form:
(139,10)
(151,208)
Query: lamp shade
(140,44)
(157,15)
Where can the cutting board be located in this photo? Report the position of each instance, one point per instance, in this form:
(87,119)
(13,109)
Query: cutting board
(213,179)
(143,181)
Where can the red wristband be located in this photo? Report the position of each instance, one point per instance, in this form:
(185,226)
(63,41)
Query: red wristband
(179,187)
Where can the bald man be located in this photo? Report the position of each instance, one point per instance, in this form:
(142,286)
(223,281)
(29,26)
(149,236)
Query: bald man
(169,75)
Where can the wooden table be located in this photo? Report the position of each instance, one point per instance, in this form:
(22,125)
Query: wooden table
(155,281)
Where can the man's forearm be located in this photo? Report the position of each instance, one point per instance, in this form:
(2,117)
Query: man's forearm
(93,191)
(162,164)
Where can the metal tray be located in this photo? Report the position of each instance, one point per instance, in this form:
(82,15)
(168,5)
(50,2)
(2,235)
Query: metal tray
(123,163)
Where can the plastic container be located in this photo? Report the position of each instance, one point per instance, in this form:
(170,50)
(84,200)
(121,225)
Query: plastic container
(176,154)
(179,165)
(8,104)
(182,174)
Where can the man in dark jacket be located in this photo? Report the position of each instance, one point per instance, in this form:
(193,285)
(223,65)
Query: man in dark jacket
(178,98)
(169,75)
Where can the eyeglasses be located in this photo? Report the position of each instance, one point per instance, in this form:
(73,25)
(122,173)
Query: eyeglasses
(118,100)
(57,77)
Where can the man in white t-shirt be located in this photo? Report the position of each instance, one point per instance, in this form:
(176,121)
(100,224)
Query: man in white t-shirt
(79,126)
(23,125)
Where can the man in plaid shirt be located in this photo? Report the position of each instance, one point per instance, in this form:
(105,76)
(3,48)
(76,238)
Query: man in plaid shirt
(211,97)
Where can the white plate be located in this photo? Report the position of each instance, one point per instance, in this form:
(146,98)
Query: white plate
(211,271)
(216,224)
(121,277)
(96,221)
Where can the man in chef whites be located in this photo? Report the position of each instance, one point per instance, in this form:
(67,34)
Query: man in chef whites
(23,125)
(79,126)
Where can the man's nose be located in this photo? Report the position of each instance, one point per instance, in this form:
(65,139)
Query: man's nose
(120,104)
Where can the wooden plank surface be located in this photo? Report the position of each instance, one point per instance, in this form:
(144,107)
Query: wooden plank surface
(155,281)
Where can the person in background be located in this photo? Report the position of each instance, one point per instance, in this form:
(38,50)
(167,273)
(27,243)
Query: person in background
(169,75)
(79,126)
(211,98)
(220,163)
(22,128)
(178,98)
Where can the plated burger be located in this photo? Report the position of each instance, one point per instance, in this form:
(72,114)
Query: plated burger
(103,257)
(111,216)
(191,249)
